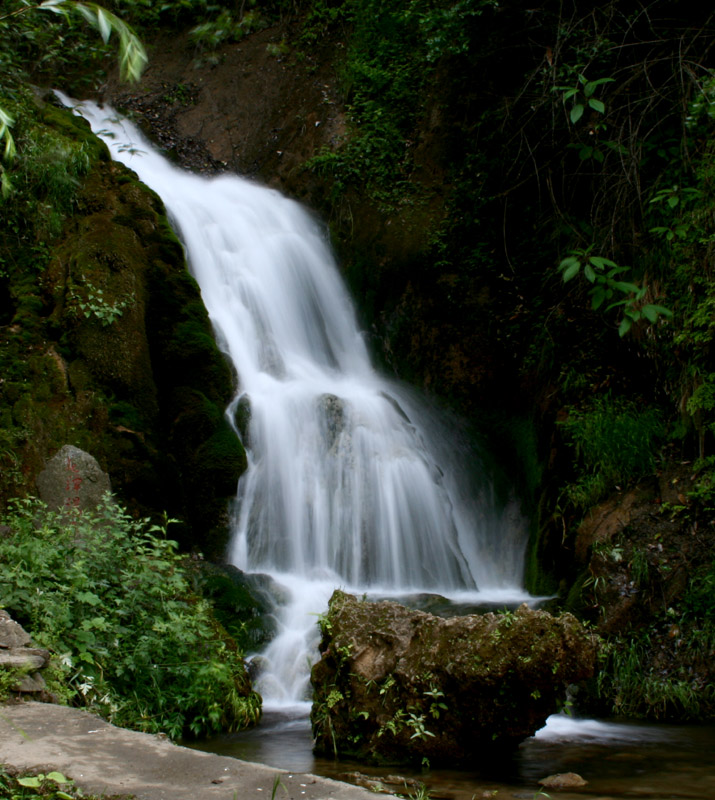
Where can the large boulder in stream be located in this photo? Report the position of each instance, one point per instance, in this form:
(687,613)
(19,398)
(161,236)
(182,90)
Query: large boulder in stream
(397,685)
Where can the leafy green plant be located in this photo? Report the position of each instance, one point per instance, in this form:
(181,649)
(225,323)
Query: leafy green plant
(607,286)
(392,53)
(211,33)
(97,306)
(52,786)
(277,782)
(112,598)
(637,687)
(582,93)
(699,600)
(615,441)
(132,56)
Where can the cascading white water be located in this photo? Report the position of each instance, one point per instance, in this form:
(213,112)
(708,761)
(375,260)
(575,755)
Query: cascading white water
(352,482)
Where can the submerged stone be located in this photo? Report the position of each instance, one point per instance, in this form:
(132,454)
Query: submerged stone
(563,781)
(397,685)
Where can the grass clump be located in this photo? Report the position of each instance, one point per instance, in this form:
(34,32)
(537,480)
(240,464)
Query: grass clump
(112,599)
(615,441)
(660,674)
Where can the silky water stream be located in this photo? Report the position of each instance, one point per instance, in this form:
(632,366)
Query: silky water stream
(353,481)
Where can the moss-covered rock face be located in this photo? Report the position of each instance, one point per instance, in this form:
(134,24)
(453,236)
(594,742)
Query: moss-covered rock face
(396,685)
(107,344)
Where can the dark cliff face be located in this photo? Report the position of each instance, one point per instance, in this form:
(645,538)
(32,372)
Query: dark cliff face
(268,117)
(108,347)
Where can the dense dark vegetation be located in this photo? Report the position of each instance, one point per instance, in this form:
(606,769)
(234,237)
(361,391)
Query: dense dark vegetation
(523,200)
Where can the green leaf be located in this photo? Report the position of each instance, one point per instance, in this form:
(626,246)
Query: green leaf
(589,273)
(598,156)
(57,777)
(585,153)
(576,113)
(571,271)
(89,597)
(673,201)
(600,262)
(624,327)
(590,87)
(31,783)
(56,6)
(597,105)
(86,12)
(649,313)
(625,287)
(5,185)
(662,310)
(619,148)
(597,298)
(104,25)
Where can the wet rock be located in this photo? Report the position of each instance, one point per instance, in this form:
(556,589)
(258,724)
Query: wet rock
(244,604)
(334,410)
(242,418)
(563,781)
(396,685)
(72,479)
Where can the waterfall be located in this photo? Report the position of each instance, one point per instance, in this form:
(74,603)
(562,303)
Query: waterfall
(353,481)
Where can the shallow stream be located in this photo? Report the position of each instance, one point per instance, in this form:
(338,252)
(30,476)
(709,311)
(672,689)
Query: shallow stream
(619,759)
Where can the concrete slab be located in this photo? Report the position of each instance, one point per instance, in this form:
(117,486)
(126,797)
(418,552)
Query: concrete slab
(104,759)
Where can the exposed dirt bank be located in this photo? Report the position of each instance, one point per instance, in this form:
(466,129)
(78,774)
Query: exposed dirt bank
(104,759)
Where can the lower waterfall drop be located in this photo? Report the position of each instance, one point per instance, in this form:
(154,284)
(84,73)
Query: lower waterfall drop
(353,482)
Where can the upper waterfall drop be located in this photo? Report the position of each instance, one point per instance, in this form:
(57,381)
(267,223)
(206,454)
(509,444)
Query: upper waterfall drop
(351,478)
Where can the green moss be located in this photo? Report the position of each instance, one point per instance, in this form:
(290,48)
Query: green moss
(222,460)
(142,390)
(76,129)
(241,604)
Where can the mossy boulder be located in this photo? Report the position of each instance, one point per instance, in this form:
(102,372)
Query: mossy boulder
(397,685)
(244,603)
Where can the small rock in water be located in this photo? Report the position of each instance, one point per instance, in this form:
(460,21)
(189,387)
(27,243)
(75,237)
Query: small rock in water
(564,780)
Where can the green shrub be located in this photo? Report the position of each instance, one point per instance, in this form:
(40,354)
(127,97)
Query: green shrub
(641,676)
(111,598)
(615,441)
(699,598)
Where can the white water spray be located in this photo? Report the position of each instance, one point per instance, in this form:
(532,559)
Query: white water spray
(352,482)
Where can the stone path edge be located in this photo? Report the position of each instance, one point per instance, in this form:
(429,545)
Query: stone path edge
(104,759)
